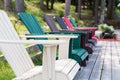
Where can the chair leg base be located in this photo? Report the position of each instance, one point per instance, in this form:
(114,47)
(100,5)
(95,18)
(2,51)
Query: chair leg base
(89,47)
(83,63)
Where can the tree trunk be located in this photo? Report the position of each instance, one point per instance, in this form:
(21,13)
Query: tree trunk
(76,5)
(110,9)
(79,8)
(93,9)
(67,7)
(8,5)
(19,6)
(42,4)
(51,4)
(47,4)
(96,12)
(102,17)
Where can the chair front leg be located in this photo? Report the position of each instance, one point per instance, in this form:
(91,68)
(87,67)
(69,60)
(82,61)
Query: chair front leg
(49,62)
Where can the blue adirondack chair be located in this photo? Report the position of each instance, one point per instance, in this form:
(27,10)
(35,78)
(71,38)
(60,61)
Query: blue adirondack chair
(34,27)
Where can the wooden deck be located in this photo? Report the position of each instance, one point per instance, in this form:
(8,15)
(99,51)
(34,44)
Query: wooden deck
(103,64)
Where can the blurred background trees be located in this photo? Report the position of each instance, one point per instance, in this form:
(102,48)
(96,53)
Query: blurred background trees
(101,10)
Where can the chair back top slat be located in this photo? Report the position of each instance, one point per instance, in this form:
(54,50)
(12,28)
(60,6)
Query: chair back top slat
(15,54)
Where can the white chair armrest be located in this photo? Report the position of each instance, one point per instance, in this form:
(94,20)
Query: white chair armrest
(64,48)
(49,36)
(44,42)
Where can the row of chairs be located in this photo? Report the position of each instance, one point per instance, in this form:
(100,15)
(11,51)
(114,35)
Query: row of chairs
(15,53)
(79,48)
(70,53)
(34,27)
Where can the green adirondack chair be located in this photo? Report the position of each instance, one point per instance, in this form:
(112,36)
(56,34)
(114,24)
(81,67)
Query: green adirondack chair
(34,27)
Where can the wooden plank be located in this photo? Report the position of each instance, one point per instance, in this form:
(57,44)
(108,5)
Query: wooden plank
(106,73)
(115,62)
(96,73)
(118,48)
(84,74)
(105,65)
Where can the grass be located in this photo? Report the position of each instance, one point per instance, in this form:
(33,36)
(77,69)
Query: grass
(6,72)
(0,53)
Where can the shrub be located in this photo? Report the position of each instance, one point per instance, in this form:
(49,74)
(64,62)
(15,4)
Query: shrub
(106,28)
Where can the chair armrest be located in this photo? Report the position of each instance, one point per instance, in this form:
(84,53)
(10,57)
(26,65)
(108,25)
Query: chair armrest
(44,42)
(87,28)
(49,36)
(62,48)
(68,32)
(73,32)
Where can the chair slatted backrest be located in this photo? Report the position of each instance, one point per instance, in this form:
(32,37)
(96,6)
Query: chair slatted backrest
(61,22)
(73,22)
(51,24)
(68,23)
(15,54)
(33,26)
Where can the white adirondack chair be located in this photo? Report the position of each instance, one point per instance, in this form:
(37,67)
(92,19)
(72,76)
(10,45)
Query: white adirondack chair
(22,65)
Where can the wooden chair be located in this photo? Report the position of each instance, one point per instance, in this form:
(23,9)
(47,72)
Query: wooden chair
(18,58)
(73,25)
(90,36)
(36,29)
(84,40)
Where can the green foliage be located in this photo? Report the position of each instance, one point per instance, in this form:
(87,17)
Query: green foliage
(61,13)
(106,28)
(72,8)
(6,72)
(0,53)
(76,20)
(37,60)
(1,4)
